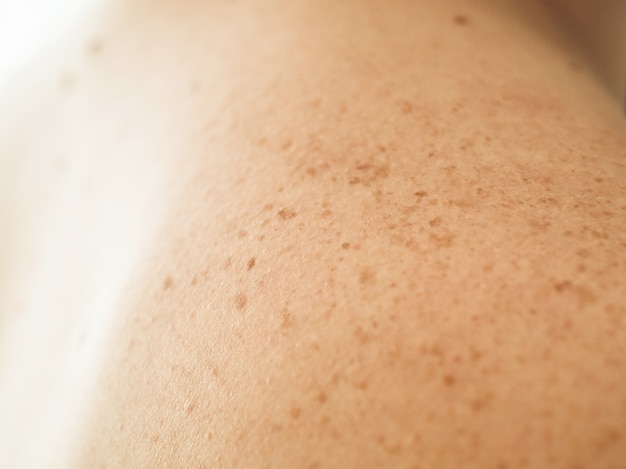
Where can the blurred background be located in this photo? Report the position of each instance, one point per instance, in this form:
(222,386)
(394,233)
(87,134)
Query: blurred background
(27,25)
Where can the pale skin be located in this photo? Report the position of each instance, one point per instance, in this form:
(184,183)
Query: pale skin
(303,234)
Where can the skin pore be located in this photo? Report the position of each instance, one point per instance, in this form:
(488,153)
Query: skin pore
(309,234)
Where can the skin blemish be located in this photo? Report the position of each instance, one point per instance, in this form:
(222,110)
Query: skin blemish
(449,380)
(227,263)
(460,20)
(94,47)
(168,282)
(435,222)
(189,407)
(286,214)
(345,246)
(442,241)
(406,107)
(251,263)
(194,280)
(421,194)
(322,397)
(241,301)
(366,276)
(296,412)
(242,234)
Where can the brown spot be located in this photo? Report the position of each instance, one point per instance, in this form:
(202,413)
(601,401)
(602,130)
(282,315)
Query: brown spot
(251,263)
(406,107)
(421,194)
(296,412)
(583,253)
(322,397)
(461,20)
(242,234)
(287,319)
(154,438)
(345,246)
(286,145)
(94,47)
(449,380)
(241,300)
(354,180)
(366,276)
(435,222)
(286,214)
(442,241)
(167,283)
(194,280)
(311,171)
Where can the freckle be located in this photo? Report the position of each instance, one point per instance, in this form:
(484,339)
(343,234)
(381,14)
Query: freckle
(287,319)
(326,213)
(562,286)
(241,300)
(296,412)
(242,234)
(322,397)
(94,47)
(286,145)
(167,283)
(194,280)
(421,194)
(381,148)
(449,380)
(366,276)
(345,246)
(583,253)
(354,180)
(406,107)
(568,233)
(435,222)
(208,436)
(443,241)
(251,262)
(598,179)
(154,438)
(311,171)
(461,20)
(286,214)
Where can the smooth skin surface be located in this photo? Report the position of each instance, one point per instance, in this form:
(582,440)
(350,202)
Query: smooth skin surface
(314,234)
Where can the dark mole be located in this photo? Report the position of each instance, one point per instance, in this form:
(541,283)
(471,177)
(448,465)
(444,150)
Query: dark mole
(94,47)
(167,283)
(461,20)
(251,262)
(241,301)
(421,193)
(345,246)
(286,214)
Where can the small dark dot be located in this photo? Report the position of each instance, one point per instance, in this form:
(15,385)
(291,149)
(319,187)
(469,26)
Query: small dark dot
(461,20)
(345,246)
(168,282)
(251,263)
(406,107)
(194,280)
(421,193)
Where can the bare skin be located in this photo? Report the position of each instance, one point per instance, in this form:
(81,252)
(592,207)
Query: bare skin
(315,235)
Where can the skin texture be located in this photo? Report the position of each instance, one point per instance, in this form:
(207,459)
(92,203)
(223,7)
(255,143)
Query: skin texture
(318,235)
